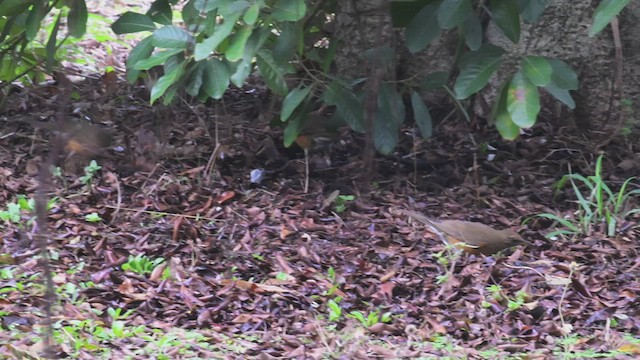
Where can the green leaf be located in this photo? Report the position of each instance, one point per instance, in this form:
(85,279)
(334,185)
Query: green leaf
(160,12)
(531,10)
(523,101)
(141,51)
(235,51)
(241,71)
(423,28)
(166,80)
(506,127)
(207,5)
(32,23)
(505,15)
(421,115)
(273,75)
(476,70)
(289,10)
(434,81)
(285,43)
(537,69)
(196,78)
(156,59)
(348,107)
(293,128)
(172,37)
(472,32)
(215,78)
(131,22)
(452,13)
(562,75)
(388,119)
(251,15)
(561,94)
(605,12)
(293,99)
(77,19)
(14,7)
(221,32)
(51,44)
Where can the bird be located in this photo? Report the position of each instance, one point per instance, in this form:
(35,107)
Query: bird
(471,237)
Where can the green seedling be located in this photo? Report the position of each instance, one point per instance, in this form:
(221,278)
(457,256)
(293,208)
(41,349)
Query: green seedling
(140,264)
(89,172)
(341,203)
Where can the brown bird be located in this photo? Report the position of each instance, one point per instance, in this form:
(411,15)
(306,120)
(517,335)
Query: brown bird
(471,237)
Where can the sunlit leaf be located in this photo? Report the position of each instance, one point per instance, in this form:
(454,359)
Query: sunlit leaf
(523,101)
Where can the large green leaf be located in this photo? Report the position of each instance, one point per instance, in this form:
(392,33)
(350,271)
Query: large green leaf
(77,19)
(293,99)
(251,15)
(221,32)
(215,78)
(505,15)
(477,68)
(388,119)
(241,70)
(172,37)
(32,24)
(421,115)
(52,43)
(452,13)
(561,94)
(160,12)
(272,74)
(165,81)
(530,10)
(285,43)
(236,49)
(196,78)
(141,51)
(131,22)
(562,75)
(523,101)
(537,69)
(207,5)
(156,59)
(472,32)
(348,107)
(15,7)
(289,10)
(423,28)
(294,126)
(500,115)
(605,12)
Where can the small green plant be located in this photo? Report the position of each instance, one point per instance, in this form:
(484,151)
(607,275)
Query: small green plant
(93,217)
(13,214)
(117,314)
(140,264)
(89,172)
(496,293)
(373,318)
(600,205)
(341,203)
(335,311)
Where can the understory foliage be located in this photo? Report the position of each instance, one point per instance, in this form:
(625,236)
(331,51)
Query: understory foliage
(206,46)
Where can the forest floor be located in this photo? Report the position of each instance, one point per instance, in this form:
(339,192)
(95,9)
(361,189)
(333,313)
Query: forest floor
(170,251)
